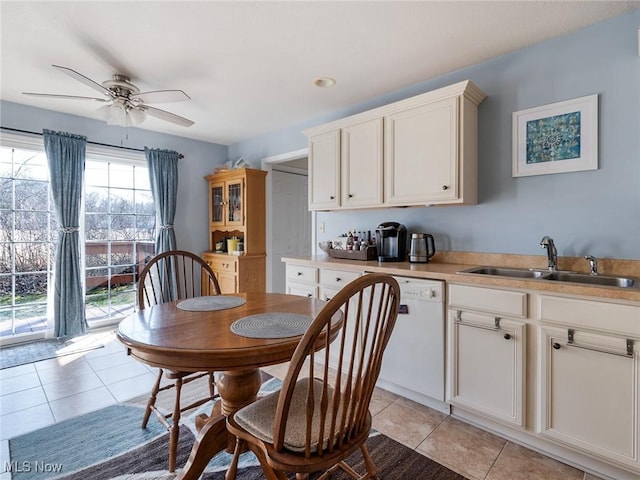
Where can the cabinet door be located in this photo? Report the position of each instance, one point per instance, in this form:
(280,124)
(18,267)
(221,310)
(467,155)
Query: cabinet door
(421,154)
(361,164)
(216,204)
(235,202)
(588,393)
(324,171)
(486,366)
(228,282)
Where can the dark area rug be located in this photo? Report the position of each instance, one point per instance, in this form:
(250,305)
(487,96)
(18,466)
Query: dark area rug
(17,355)
(109,444)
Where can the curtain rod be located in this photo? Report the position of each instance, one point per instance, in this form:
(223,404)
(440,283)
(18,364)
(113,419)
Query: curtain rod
(88,141)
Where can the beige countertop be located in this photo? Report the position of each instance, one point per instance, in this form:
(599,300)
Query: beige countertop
(445,266)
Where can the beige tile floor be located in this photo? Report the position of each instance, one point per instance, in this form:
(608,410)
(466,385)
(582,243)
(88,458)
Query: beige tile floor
(39,394)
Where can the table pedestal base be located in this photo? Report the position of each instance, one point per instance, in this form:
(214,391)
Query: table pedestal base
(237,389)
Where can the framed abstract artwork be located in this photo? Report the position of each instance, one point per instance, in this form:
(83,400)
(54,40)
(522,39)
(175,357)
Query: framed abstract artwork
(556,138)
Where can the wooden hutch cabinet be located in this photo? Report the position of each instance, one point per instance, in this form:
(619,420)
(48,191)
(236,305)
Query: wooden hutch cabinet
(237,210)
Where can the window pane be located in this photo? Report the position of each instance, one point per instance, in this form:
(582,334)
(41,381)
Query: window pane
(31,227)
(6,162)
(97,307)
(96,227)
(5,289)
(31,287)
(31,257)
(144,203)
(31,195)
(96,254)
(122,254)
(121,176)
(121,200)
(96,173)
(141,178)
(96,200)
(123,227)
(6,226)
(145,228)
(5,258)
(29,164)
(6,193)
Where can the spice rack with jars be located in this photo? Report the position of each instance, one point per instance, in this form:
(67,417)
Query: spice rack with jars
(237,229)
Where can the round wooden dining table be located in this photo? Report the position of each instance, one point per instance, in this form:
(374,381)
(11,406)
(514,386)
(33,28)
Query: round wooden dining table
(176,339)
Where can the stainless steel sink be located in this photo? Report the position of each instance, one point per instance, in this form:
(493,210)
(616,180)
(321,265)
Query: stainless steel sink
(558,276)
(605,280)
(507,272)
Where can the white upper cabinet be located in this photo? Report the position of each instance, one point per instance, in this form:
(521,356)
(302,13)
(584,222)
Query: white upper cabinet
(324,171)
(422,154)
(418,151)
(361,164)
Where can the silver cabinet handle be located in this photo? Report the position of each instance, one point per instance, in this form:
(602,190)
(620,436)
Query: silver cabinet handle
(495,328)
(572,343)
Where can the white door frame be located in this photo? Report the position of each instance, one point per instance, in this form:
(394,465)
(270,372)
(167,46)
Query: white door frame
(267,164)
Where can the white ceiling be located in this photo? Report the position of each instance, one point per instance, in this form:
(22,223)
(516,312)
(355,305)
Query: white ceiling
(249,67)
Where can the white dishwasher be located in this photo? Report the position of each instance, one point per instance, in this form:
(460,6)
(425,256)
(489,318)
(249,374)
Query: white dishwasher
(413,362)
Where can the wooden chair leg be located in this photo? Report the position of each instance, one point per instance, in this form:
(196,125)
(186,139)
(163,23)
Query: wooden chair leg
(368,462)
(212,385)
(175,427)
(269,473)
(232,471)
(152,399)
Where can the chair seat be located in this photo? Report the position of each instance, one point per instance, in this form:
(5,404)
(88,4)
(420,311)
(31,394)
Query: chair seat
(259,417)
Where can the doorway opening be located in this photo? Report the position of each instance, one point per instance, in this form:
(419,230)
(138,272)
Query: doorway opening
(289,222)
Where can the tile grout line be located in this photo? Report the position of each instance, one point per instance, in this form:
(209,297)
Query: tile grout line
(496,459)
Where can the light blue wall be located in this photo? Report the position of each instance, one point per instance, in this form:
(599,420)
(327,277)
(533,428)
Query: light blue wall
(594,212)
(200,158)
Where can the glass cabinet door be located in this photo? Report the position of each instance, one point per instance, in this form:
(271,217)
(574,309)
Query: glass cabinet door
(235,214)
(217,204)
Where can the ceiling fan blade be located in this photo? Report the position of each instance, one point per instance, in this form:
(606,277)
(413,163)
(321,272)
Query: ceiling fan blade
(86,80)
(164,115)
(73,97)
(161,96)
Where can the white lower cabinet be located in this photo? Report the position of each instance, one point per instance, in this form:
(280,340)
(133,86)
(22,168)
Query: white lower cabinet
(486,365)
(588,393)
(302,280)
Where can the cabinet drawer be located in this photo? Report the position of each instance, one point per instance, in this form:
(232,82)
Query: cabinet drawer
(602,316)
(301,274)
(302,290)
(221,264)
(500,302)
(336,278)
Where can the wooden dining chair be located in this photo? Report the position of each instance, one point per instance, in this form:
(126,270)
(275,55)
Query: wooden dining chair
(170,276)
(321,414)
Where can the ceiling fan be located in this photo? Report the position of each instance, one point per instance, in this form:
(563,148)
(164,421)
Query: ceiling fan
(126,104)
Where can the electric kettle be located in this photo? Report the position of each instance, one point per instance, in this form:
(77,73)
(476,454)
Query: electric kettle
(422,248)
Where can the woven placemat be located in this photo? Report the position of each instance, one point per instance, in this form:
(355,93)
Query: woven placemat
(205,304)
(272,325)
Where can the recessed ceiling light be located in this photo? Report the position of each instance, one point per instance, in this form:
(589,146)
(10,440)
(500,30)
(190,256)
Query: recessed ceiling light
(325,82)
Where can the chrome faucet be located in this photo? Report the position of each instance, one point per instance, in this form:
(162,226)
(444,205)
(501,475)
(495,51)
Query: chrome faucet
(552,253)
(593,264)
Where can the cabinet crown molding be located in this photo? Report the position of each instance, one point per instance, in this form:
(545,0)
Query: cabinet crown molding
(465,88)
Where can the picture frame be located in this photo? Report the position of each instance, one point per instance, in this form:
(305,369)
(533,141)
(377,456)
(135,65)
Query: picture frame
(556,138)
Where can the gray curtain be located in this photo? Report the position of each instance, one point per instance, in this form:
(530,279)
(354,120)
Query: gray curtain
(163,175)
(65,156)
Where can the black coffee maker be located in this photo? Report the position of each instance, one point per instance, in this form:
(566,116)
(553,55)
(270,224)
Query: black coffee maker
(391,240)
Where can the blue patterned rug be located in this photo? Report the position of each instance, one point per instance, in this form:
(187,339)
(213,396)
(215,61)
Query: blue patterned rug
(13,356)
(109,445)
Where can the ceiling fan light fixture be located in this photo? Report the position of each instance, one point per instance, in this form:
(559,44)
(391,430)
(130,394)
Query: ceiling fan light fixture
(136,116)
(114,114)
